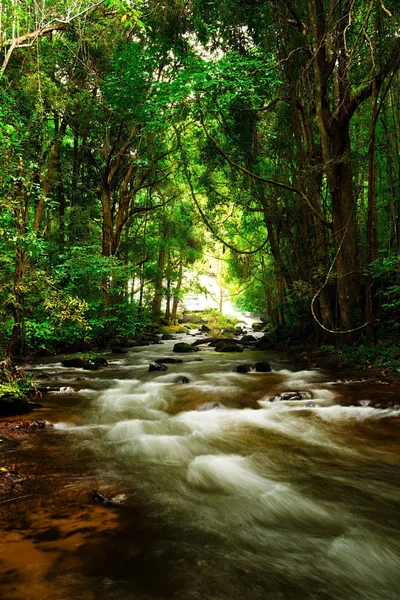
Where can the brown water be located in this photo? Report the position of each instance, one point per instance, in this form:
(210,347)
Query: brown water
(251,500)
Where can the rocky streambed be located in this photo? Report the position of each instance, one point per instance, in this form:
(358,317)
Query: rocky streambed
(227,474)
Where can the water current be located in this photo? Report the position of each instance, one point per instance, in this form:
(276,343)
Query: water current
(220,493)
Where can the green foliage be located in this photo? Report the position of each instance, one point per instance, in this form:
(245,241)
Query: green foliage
(384,356)
(16,387)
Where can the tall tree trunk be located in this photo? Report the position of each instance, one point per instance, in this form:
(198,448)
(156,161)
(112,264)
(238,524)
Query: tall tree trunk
(158,287)
(49,174)
(74,188)
(344,217)
(16,342)
(21,211)
(177,291)
(107,238)
(371,232)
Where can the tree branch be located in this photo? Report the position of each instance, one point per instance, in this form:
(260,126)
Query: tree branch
(262,179)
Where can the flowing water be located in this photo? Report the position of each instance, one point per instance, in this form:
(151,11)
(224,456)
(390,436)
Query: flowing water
(221,494)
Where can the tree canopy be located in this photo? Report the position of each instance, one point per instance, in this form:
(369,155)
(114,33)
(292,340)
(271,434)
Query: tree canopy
(137,136)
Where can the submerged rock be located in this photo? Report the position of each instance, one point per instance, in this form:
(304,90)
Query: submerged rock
(182,379)
(183,347)
(210,406)
(291,397)
(157,367)
(100,499)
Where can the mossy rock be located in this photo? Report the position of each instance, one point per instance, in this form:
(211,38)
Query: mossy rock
(184,348)
(175,329)
(12,401)
(228,347)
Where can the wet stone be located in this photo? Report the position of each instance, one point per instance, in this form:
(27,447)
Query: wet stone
(242,369)
(182,379)
(157,367)
(248,338)
(168,361)
(228,347)
(263,367)
(210,406)
(184,348)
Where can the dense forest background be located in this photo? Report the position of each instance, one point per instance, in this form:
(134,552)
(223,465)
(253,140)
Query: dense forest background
(139,137)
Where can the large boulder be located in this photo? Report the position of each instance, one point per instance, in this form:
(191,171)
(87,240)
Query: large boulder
(262,367)
(184,348)
(228,347)
(100,361)
(242,369)
(191,318)
(75,362)
(248,338)
(90,366)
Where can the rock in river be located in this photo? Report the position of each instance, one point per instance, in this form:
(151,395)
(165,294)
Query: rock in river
(242,369)
(228,347)
(182,379)
(157,367)
(168,361)
(182,347)
(263,367)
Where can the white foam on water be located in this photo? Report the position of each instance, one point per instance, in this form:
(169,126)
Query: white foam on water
(45,367)
(81,430)
(226,473)
(169,378)
(63,390)
(162,449)
(301,376)
(371,559)
(351,413)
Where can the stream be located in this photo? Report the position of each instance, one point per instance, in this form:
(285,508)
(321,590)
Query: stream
(220,493)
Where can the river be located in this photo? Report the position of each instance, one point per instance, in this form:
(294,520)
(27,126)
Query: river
(248,500)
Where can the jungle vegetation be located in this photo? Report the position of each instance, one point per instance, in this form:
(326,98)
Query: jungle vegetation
(139,136)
